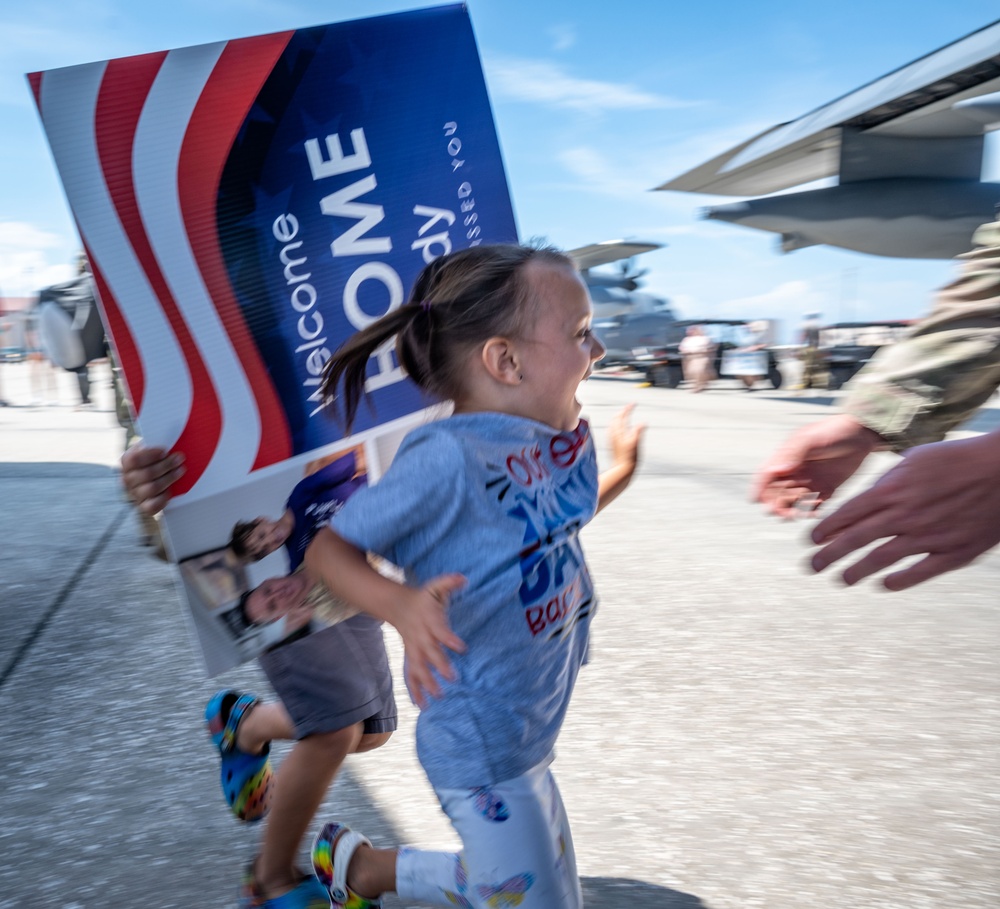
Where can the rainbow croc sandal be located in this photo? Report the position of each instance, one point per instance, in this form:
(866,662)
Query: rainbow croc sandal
(331,854)
(245,778)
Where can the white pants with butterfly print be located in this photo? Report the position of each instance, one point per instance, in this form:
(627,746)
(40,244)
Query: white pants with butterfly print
(516,850)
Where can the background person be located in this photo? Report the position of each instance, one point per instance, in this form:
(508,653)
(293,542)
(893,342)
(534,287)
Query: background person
(942,501)
(70,328)
(813,373)
(4,328)
(754,341)
(697,350)
(42,378)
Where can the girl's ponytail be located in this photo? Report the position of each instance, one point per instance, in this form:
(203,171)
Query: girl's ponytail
(344,375)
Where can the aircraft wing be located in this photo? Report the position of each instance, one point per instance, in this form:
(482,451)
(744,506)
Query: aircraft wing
(945,101)
(609,251)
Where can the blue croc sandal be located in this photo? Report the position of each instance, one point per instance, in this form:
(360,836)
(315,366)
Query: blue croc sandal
(245,778)
(309,894)
(331,854)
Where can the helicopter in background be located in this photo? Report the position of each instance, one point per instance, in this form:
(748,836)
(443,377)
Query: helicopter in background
(611,293)
(625,318)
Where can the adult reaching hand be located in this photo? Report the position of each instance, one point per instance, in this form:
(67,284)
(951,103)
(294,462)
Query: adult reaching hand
(940,505)
(941,501)
(812,464)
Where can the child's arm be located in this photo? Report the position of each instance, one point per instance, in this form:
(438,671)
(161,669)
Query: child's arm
(418,614)
(624,439)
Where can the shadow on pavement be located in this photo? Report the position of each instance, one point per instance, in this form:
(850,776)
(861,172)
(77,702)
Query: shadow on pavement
(54,470)
(619,891)
(822,400)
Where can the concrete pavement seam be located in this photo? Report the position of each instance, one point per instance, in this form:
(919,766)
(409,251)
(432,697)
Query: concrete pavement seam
(62,596)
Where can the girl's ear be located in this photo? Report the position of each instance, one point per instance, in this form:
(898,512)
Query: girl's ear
(501,359)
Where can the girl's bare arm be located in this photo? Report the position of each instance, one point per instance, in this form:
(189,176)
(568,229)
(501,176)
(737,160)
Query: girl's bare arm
(418,614)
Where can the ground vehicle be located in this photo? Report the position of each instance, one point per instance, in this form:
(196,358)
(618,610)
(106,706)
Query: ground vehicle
(12,354)
(662,362)
(845,347)
(623,333)
(11,338)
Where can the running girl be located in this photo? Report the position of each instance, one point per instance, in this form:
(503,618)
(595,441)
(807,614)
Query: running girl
(483,511)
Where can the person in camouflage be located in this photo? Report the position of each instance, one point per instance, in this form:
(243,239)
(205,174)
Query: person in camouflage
(814,374)
(942,500)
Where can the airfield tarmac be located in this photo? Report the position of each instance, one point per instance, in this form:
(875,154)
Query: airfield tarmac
(746,734)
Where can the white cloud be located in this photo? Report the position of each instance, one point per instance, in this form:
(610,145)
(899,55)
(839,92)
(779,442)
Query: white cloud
(684,304)
(788,302)
(596,172)
(563,37)
(701,230)
(26,259)
(626,182)
(542,82)
(619,178)
(19,235)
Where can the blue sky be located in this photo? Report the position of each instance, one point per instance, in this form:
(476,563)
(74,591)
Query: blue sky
(595,102)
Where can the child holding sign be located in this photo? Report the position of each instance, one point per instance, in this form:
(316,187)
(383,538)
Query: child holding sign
(327,705)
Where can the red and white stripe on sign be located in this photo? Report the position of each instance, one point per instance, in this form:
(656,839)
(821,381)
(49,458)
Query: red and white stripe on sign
(141,143)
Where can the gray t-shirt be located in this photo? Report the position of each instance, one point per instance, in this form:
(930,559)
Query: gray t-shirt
(500,499)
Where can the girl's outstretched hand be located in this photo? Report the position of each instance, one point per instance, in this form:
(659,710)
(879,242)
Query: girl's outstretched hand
(624,439)
(423,625)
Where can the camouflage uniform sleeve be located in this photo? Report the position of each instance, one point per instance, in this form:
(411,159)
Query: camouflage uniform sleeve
(947,366)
